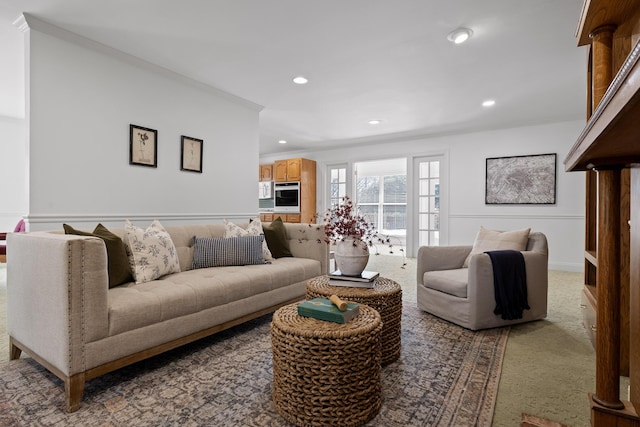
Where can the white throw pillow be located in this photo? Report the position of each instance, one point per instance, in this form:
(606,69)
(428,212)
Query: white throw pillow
(151,252)
(491,240)
(253,229)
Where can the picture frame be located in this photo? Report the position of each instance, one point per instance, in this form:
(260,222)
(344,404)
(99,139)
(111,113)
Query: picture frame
(521,180)
(143,146)
(191,154)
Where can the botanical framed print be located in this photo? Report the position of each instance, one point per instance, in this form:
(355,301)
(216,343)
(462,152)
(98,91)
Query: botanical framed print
(143,146)
(191,154)
(521,180)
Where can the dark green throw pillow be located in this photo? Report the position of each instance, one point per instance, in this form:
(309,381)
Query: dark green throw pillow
(118,262)
(276,237)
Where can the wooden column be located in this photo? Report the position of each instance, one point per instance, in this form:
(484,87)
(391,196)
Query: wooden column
(602,61)
(608,288)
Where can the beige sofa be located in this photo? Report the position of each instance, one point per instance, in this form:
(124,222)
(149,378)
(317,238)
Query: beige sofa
(465,296)
(62,313)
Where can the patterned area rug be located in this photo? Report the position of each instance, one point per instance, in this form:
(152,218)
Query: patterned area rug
(446,376)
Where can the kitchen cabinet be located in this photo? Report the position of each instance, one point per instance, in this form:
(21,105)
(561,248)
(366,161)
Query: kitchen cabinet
(289,170)
(266,172)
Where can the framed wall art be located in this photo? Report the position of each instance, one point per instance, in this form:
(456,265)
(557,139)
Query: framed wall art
(521,180)
(191,154)
(143,146)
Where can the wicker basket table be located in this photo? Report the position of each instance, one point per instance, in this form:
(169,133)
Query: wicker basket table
(386,297)
(326,373)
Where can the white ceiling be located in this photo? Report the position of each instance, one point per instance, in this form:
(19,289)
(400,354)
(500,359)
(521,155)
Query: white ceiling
(365,59)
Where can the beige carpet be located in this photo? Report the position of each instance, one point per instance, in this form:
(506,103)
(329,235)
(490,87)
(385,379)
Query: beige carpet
(549,365)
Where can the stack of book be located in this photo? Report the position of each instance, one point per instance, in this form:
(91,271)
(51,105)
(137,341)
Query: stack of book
(323,309)
(366,280)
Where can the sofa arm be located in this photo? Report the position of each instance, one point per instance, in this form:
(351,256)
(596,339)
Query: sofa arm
(307,241)
(433,258)
(57,296)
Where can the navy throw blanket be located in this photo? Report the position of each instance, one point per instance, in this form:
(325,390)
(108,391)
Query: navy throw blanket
(509,283)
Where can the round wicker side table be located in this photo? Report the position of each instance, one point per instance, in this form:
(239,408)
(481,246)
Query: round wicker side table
(326,373)
(386,297)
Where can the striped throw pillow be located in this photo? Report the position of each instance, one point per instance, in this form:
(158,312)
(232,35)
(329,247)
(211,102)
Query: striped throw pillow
(218,252)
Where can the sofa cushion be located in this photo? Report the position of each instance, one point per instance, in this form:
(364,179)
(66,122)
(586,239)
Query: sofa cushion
(491,240)
(134,306)
(151,251)
(253,229)
(118,263)
(216,252)
(452,282)
(276,237)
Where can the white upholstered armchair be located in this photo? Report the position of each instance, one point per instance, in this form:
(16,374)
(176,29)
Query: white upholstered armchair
(465,296)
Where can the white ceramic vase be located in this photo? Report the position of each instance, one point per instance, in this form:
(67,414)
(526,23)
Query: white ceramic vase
(351,256)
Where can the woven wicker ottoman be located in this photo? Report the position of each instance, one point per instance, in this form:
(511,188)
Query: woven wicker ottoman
(326,373)
(386,297)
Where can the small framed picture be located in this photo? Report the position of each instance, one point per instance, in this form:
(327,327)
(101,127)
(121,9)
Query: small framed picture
(143,146)
(191,153)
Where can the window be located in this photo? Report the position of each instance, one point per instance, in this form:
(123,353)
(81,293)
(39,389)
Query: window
(337,183)
(429,203)
(390,199)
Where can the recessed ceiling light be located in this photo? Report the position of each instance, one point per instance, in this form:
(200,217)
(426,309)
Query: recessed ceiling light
(489,103)
(282,141)
(375,122)
(460,35)
(300,80)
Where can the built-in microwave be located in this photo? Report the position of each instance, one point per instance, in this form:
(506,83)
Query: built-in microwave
(287,197)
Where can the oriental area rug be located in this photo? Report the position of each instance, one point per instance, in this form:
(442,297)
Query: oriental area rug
(446,376)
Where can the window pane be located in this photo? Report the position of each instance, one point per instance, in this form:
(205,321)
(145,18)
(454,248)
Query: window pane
(395,217)
(434,204)
(423,204)
(423,220)
(395,189)
(434,238)
(434,185)
(368,189)
(424,169)
(342,174)
(342,190)
(434,171)
(423,237)
(424,187)
(370,212)
(334,175)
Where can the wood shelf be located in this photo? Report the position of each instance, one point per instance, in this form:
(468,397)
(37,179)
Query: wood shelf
(612,136)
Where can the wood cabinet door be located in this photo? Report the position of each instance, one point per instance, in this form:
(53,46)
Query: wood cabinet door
(294,169)
(266,172)
(280,171)
(292,218)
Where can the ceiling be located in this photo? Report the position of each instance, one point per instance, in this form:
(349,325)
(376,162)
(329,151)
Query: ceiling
(365,59)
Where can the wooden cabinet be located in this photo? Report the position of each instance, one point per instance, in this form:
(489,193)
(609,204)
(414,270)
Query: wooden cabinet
(289,170)
(303,171)
(266,172)
(608,149)
(267,217)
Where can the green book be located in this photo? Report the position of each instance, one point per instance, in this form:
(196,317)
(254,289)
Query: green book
(323,309)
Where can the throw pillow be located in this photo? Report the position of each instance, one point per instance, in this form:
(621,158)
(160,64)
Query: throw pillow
(491,240)
(228,251)
(152,253)
(253,229)
(276,237)
(117,260)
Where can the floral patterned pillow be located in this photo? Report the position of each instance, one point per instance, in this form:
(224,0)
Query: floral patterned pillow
(151,252)
(253,229)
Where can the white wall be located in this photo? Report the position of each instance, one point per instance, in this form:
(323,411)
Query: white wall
(82,98)
(13,172)
(563,223)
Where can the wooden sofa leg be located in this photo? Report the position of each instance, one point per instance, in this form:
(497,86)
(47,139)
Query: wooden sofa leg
(14,351)
(74,388)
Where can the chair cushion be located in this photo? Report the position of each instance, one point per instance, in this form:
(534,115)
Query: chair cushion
(491,240)
(452,282)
